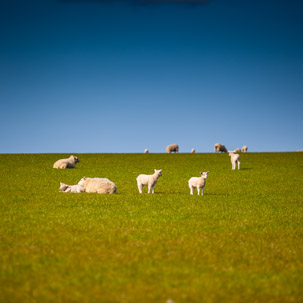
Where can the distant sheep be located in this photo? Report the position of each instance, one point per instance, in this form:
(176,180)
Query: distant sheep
(237,150)
(149,180)
(98,185)
(198,182)
(244,149)
(193,151)
(146,151)
(220,148)
(172,148)
(66,163)
(234,159)
(71,188)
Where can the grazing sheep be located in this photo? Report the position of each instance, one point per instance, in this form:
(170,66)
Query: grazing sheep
(146,151)
(237,150)
(220,148)
(234,158)
(66,163)
(244,149)
(198,182)
(149,180)
(172,148)
(193,151)
(98,185)
(71,188)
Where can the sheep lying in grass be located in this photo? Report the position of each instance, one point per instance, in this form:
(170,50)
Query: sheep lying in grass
(149,180)
(172,148)
(220,148)
(71,188)
(66,163)
(234,158)
(193,151)
(146,151)
(98,185)
(198,182)
(244,149)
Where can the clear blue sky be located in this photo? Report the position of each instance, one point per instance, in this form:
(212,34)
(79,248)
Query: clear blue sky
(121,76)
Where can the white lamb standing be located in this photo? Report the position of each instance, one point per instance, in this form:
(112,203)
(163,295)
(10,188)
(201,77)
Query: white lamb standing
(66,163)
(146,151)
(71,188)
(193,151)
(244,149)
(98,185)
(198,182)
(149,180)
(234,159)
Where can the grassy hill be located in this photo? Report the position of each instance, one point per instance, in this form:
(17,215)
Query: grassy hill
(240,242)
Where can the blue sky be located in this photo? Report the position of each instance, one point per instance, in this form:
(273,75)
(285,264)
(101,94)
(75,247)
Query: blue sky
(121,76)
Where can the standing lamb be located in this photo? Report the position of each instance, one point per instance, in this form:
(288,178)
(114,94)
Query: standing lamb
(198,182)
(66,163)
(71,188)
(193,151)
(172,148)
(149,180)
(244,149)
(220,148)
(146,151)
(98,185)
(234,158)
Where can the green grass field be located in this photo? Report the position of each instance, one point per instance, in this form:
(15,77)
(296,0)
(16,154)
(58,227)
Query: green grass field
(240,242)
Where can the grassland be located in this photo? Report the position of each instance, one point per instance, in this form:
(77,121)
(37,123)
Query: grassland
(241,242)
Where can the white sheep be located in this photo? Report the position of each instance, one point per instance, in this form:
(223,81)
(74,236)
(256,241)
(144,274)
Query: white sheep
(146,151)
(172,148)
(66,163)
(198,182)
(237,150)
(193,151)
(149,180)
(71,188)
(220,148)
(244,149)
(234,158)
(98,185)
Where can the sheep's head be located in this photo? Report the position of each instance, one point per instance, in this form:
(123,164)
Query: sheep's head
(158,172)
(231,152)
(74,159)
(63,186)
(204,174)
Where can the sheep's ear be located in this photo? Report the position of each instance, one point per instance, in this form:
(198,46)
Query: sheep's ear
(201,173)
(155,170)
(160,170)
(207,172)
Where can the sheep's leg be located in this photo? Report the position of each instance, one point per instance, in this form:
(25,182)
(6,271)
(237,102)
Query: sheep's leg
(153,189)
(238,164)
(202,191)
(198,189)
(191,190)
(140,186)
(149,188)
(233,165)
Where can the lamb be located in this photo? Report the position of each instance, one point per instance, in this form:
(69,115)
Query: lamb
(244,149)
(220,148)
(146,151)
(198,182)
(234,158)
(98,185)
(149,180)
(71,188)
(172,148)
(193,151)
(66,163)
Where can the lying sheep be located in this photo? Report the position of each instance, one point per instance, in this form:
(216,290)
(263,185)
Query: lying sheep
(234,158)
(66,163)
(193,151)
(220,148)
(146,151)
(149,180)
(172,148)
(71,188)
(244,149)
(98,185)
(198,182)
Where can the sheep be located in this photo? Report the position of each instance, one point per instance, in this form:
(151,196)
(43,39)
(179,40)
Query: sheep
(237,150)
(98,185)
(234,158)
(149,180)
(220,148)
(71,188)
(172,148)
(244,149)
(66,163)
(146,151)
(193,151)
(198,182)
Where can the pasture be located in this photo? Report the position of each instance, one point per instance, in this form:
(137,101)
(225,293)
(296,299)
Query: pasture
(240,242)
